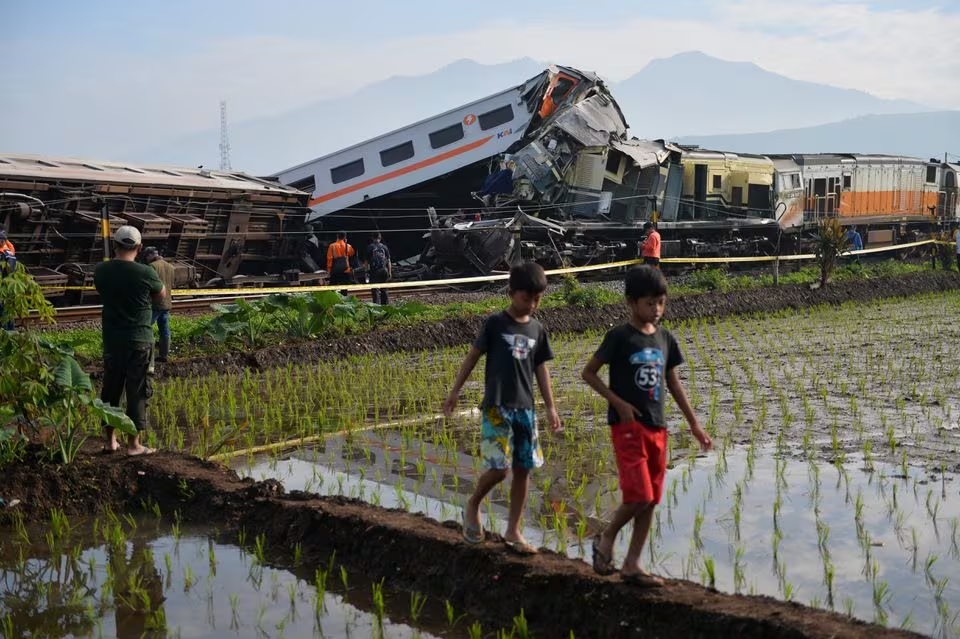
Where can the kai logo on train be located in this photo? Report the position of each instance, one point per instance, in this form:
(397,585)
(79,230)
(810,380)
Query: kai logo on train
(504,133)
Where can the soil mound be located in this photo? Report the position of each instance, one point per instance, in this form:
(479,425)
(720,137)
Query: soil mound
(557,594)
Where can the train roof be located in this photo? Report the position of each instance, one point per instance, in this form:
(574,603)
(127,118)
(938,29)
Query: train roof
(53,168)
(838,158)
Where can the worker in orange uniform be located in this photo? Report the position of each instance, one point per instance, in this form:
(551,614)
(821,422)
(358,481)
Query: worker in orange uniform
(6,246)
(650,249)
(338,261)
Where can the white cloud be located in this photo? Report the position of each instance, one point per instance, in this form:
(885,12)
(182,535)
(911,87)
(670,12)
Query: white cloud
(134,101)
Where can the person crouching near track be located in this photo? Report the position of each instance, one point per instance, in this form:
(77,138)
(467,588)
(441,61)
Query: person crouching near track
(128,290)
(517,350)
(642,356)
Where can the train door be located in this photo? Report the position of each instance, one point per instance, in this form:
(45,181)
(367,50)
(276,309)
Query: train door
(699,190)
(673,192)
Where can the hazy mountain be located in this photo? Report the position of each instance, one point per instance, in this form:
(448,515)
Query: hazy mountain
(693,93)
(923,135)
(686,94)
(267,145)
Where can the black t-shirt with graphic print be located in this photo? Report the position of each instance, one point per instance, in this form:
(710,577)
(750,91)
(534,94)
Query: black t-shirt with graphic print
(638,367)
(514,351)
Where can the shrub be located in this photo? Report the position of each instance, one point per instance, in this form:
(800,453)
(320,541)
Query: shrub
(574,294)
(710,279)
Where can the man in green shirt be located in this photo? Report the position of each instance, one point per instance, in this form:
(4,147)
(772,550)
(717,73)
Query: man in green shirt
(127,290)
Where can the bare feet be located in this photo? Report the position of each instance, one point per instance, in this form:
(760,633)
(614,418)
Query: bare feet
(140,450)
(642,579)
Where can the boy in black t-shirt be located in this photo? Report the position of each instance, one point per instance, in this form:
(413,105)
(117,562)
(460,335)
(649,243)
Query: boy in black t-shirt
(517,350)
(641,356)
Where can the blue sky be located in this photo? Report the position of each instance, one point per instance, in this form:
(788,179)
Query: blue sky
(100,78)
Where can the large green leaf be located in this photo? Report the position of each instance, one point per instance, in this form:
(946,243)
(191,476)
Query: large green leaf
(112,416)
(68,374)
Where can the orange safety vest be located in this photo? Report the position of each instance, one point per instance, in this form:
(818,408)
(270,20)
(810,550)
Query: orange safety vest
(7,245)
(346,251)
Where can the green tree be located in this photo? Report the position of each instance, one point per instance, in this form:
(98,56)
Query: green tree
(830,242)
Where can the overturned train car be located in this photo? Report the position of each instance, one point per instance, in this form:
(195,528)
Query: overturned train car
(545,170)
(218,228)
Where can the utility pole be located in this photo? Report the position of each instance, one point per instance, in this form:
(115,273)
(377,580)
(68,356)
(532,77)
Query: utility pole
(224,139)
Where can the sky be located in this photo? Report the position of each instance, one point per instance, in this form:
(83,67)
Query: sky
(104,78)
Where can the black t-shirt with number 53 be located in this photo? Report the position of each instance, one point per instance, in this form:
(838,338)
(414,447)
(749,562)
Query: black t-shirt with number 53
(638,369)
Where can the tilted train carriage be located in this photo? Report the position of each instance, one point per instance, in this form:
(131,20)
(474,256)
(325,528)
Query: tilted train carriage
(215,227)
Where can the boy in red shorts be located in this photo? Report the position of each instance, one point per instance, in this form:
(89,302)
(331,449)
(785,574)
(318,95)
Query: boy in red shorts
(642,356)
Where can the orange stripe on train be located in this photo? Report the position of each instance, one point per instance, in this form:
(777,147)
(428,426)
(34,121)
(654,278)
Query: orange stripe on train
(402,171)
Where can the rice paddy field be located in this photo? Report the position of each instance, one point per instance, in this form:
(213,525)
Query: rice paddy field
(832,482)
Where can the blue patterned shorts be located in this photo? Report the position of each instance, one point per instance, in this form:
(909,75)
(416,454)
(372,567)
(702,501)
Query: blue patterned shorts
(509,437)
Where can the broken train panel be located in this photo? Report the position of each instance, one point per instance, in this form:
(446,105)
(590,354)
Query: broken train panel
(211,225)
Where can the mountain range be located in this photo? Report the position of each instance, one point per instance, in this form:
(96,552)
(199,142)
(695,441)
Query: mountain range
(690,97)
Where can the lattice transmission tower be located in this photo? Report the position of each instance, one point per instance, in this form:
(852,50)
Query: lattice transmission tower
(224,138)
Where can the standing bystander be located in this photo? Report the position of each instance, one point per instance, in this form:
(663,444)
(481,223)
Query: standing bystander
(161,308)
(127,290)
(380,268)
(8,264)
(650,248)
(338,261)
(958,249)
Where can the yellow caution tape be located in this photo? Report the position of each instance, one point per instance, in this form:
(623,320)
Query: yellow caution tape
(243,292)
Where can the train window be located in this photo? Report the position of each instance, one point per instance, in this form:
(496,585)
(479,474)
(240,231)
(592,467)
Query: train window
(794,180)
(717,181)
(496,117)
(307,184)
(847,181)
(446,136)
(347,171)
(396,154)
(931,174)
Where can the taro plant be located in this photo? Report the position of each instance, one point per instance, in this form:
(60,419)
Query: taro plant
(43,391)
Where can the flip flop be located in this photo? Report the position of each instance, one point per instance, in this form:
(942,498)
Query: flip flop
(520,547)
(642,579)
(471,534)
(146,451)
(602,564)
(109,451)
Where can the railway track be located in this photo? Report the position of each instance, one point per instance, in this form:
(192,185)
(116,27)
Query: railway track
(196,305)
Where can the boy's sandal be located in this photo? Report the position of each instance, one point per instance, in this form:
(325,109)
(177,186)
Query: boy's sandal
(520,547)
(602,564)
(471,534)
(642,579)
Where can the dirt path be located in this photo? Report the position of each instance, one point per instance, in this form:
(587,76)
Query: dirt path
(557,594)
(563,320)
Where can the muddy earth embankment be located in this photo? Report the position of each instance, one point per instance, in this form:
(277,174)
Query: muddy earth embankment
(456,332)
(409,551)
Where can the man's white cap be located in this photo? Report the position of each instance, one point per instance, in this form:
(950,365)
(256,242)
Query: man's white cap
(127,237)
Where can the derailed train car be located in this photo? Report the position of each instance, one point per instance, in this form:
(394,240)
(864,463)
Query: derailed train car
(216,227)
(545,170)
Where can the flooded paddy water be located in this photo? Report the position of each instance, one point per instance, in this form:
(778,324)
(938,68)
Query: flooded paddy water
(147,577)
(833,482)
